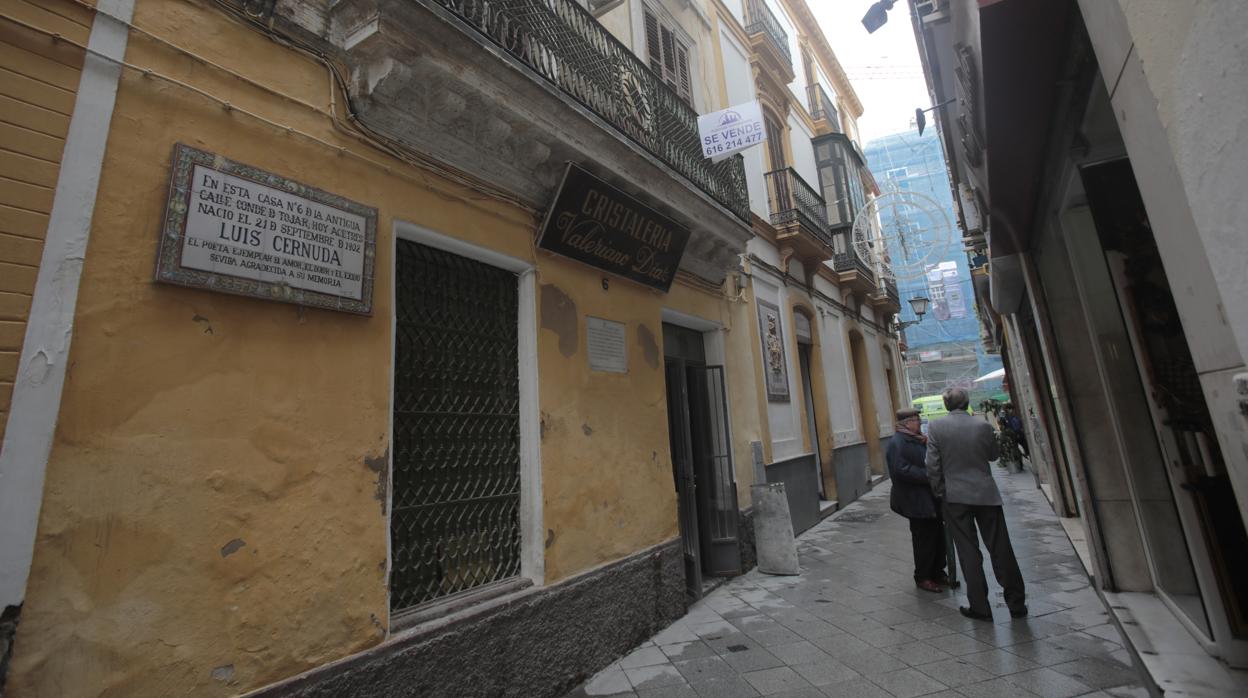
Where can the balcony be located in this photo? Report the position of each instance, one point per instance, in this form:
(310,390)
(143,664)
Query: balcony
(563,43)
(855,272)
(822,110)
(769,40)
(509,91)
(799,215)
(840,165)
(886,298)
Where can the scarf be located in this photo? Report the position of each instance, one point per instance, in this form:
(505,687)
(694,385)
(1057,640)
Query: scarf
(917,435)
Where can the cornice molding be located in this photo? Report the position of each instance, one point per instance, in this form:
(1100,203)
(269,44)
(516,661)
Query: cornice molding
(823,51)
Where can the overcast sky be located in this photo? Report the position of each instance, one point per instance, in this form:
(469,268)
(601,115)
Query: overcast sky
(883,67)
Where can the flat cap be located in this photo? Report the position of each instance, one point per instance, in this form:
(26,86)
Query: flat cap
(906,414)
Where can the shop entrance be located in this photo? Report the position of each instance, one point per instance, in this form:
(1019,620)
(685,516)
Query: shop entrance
(706,488)
(1209,586)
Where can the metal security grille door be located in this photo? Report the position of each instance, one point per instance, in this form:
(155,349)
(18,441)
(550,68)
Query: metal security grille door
(455,511)
(682,473)
(712,452)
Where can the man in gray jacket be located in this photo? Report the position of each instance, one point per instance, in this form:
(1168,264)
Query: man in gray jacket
(959,448)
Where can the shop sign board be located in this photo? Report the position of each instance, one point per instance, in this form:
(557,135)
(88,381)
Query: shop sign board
(232,228)
(595,223)
(731,130)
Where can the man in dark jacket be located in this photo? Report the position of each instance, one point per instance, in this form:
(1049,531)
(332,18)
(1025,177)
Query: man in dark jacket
(912,498)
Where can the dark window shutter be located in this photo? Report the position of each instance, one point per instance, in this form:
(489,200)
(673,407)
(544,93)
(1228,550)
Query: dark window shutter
(653,45)
(775,143)
(682,63)
(669,58)
(669,53)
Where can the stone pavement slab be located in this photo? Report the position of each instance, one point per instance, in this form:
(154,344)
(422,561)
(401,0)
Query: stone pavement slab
(853,623)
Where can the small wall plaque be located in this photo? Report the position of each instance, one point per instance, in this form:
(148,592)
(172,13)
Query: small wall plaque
(606,343)
(235,229)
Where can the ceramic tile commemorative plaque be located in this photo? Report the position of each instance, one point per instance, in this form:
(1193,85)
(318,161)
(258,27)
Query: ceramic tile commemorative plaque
(771,331)
(232,228)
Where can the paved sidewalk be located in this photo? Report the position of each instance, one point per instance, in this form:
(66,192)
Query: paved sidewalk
(853,623)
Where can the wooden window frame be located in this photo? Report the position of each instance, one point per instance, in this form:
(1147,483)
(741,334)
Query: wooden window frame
(668,52)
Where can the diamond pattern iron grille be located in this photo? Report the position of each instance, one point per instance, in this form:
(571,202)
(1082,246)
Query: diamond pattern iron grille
(455,515)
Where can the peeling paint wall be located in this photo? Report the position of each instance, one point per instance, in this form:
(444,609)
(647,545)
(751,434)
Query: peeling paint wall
(606,467)
(39,96)
(214,518)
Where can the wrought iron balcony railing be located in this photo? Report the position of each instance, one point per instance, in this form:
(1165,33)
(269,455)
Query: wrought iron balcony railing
(760,19)
(792,199)
(888,290)
(847,257)
(563,43)
(822,106)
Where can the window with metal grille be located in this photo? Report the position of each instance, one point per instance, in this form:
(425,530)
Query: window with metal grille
(454,521)
(669,56)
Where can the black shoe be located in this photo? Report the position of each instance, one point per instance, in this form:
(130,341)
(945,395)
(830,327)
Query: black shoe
(1018,613)
(973,615)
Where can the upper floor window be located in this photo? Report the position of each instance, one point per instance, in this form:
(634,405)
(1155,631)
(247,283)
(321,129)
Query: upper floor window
(669,56)
(775,143)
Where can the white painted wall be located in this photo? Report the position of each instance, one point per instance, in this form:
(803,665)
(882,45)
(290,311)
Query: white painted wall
(838,377)
(739,79)
(798,86)
(40,380)
(737,8)
(826,82)
(803,151)
(786,433)
(879,384)
(765,251)
(837,367)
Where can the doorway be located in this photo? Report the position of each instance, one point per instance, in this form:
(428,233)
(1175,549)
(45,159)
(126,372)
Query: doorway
(1054,446)
(702,469)
(808,398)
(1200,495)
(806,356)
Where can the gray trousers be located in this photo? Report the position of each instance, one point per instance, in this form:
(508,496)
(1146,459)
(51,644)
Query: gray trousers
(962,520)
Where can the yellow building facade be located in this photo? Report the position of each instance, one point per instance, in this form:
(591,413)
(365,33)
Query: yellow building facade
(218,493)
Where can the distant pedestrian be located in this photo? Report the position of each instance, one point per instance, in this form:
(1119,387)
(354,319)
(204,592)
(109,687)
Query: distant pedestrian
(912,498)
(959,448)
(1010,420)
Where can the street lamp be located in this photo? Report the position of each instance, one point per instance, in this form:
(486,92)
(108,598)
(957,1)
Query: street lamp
(920,115)
(918,304)
(877,15)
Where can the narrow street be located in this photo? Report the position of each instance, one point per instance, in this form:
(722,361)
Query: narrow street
(853,623)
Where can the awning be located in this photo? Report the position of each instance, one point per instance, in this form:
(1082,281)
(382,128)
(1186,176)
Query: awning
(994,375)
